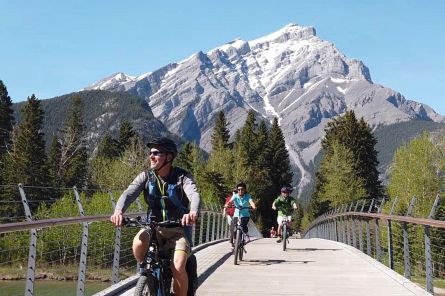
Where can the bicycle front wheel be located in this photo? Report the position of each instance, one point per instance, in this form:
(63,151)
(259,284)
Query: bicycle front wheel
(147,285)
(241,248)
(284,234)
(237,246)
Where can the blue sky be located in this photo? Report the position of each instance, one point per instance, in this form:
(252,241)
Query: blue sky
(52,48)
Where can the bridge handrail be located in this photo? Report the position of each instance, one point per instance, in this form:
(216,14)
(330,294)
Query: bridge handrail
(38,224)
(383,217)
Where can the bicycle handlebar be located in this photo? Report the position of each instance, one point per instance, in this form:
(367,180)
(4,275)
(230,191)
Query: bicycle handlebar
(137,222)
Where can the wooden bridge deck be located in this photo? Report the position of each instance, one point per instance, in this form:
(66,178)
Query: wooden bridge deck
(308,267)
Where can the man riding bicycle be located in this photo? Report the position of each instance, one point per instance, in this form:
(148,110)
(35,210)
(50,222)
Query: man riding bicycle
(284,204)
(170,192)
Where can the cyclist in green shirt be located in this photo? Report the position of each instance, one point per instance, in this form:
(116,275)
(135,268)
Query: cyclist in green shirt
(284,204)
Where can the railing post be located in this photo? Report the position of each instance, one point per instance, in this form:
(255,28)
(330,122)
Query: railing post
(377,235)
(193,234)
(208,226)
(428,260)
(390,245)
(360,224)
(354,232)
(406,255)
(368,231)
(83,250)
(213,235)
(30,276)
(117,246)
(201,228)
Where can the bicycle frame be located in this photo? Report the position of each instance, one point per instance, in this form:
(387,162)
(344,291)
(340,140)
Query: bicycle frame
(157,277)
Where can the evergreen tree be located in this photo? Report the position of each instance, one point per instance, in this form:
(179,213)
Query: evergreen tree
(108,148)
(26,163)
(74,156)
(6,119)
(247,140)
(280,170)
(53,164)
(342,185)
(185,158)
(125,135)
(6,124)
(220,135)
(358,138)
(261,182)
(220,160)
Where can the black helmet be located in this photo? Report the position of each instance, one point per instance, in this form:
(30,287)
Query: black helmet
(241,184)
(286,189)
(166,143)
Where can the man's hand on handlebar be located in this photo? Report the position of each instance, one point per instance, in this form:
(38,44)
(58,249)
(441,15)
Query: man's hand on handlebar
(189,218)
(117,218)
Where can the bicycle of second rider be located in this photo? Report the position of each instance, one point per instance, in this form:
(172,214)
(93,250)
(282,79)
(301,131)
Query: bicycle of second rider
(241,239)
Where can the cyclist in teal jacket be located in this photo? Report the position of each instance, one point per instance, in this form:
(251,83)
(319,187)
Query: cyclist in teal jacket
(242,199)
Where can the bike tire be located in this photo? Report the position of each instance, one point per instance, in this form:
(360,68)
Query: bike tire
(147,285)
(241,251)
(237,246)
(284,234)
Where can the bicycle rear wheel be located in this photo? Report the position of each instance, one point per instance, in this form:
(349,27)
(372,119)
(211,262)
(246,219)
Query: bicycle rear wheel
(147,285)
(284,234)
(237,246)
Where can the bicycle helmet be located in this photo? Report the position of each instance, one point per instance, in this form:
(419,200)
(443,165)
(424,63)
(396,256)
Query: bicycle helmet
(167,145)
(286,189)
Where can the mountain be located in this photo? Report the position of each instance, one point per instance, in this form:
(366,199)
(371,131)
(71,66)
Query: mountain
(290,74)
(103,112)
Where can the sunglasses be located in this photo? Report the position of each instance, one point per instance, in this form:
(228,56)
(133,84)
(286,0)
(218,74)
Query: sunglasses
(155,153)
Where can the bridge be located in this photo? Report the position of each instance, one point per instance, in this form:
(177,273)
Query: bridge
(350,250)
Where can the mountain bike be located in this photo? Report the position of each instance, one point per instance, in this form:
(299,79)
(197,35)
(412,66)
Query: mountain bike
(240,240)
(156,280)
(284,233)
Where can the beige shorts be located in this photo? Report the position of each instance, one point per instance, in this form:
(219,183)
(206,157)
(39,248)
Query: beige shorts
(170,239)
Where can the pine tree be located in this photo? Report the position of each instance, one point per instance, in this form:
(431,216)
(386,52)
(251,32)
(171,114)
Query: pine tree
(220,160)
(358,138)
(6,120)
(108,148)
(74,152)
(261,181)
(247,140)
(53,163)
(280,171)
(220,135)
(184,159)
(125,135)
(26,163)
(342,185)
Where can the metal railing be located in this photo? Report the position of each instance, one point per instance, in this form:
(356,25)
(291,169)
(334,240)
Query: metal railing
(412,246)
(84,241)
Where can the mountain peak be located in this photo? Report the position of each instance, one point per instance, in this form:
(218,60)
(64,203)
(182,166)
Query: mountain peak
(290,31)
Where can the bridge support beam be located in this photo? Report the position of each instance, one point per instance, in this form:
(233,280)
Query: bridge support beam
(406,254)
(83,250)
(428,259)
(30,275)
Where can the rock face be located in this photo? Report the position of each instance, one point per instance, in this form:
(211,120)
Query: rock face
(290,74)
